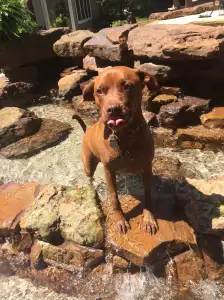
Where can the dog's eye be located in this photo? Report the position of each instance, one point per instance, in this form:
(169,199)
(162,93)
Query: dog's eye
(126,86)
(99,91)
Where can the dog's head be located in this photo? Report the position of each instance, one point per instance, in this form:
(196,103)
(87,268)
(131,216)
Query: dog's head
(118,93)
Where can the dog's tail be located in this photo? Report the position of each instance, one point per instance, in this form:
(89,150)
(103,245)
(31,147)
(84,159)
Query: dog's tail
(81,122)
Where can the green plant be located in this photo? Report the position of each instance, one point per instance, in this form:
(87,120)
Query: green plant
(114,10)
(15,19)
(61,21)
(61,15)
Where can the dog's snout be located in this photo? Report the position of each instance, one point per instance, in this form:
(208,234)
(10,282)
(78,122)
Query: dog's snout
(114,109)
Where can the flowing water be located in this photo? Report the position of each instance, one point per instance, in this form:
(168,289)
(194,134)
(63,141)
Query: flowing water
(61,164)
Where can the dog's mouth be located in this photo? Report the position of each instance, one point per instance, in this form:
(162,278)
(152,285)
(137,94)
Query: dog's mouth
(115,122)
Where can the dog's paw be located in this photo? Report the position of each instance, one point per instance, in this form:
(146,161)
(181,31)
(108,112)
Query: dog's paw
(149,223)
(122,224)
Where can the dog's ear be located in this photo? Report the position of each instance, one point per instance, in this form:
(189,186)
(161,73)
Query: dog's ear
(88,93)
(148,79)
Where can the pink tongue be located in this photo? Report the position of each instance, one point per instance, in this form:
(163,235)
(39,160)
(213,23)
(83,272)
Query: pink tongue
(115,122)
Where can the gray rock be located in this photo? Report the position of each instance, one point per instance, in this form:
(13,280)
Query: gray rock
(51,133)
(16,123)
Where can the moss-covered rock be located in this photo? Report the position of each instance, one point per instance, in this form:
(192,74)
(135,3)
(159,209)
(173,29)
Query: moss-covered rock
(61,213)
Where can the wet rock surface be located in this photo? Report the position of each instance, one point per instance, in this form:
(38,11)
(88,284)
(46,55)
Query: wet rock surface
(15,198)
(214,119)
(51,132)
(187,266)
(176,42)
(72,44)
(16,123)
(186,112)
(141,248)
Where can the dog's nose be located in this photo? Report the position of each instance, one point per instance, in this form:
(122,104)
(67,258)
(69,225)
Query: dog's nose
(114,109)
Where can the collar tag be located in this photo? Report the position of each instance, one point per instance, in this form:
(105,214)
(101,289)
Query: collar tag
(114,141)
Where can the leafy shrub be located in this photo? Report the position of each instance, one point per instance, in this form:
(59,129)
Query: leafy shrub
(15,19)
(114,10)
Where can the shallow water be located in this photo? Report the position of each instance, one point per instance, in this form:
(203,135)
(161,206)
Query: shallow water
(61,164)
(142,286)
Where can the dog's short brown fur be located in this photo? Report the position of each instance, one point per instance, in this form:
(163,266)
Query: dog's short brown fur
(118,93)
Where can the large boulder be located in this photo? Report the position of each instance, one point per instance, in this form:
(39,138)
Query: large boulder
(177,42)
(70,214)
(16,123)
(203,202)
(106,45)
(214,119)
(183,113)
(30,48)
(71,45)
(68,86)
(140,248)
(15,198)
(51,132)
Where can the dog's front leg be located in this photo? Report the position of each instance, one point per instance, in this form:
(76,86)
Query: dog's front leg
(121,223)
(149,223)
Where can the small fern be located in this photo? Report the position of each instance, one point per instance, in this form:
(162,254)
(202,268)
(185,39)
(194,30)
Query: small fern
(15,19)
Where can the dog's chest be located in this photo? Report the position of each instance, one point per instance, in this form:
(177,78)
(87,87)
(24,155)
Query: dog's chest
(125,156)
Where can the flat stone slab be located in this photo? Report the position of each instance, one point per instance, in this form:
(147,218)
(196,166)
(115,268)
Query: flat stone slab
(141,248)
(71,257)
(199,137)
(15,198)
(50,134)
(16,123)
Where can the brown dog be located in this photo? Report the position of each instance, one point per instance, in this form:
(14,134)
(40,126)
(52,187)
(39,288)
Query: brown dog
(121,139)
